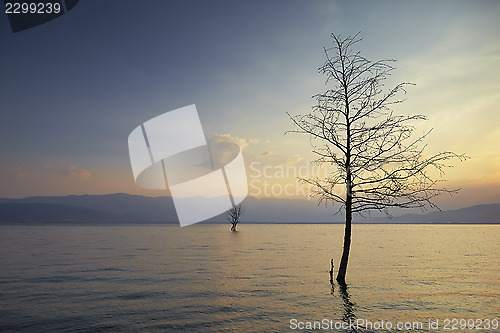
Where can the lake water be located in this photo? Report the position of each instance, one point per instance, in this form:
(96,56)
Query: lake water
(263,278)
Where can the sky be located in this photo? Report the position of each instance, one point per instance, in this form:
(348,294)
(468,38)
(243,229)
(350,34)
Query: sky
(74,88)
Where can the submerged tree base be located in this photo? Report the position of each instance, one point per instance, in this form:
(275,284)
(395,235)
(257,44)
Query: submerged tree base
(331,272)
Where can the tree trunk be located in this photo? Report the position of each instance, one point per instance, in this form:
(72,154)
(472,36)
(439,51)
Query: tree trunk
(348,219)
(347,243)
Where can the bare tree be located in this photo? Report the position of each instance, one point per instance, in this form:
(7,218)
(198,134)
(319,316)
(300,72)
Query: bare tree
(233,216)
(378,162)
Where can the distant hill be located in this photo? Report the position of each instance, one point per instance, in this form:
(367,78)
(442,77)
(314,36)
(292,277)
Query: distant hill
(38,212)
(482,214)
(118,207)
(128,208)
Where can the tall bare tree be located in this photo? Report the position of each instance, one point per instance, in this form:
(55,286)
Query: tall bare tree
(378,161)
(233,216)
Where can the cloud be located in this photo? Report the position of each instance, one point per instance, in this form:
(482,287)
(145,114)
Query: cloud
(292,159)
(69,172)
(81,174)
(265,154)
(241,142)
(20,172)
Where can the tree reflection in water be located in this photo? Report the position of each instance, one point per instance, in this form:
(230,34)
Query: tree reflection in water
(349,306)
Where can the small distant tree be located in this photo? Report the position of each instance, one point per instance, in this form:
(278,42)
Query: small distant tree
(233,216)
(377,161)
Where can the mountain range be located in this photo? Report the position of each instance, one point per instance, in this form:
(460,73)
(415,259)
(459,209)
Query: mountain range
(128,208)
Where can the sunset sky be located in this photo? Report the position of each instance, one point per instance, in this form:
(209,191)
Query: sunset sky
(74,88)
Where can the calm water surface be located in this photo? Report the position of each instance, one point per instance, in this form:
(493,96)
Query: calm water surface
(204,278)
